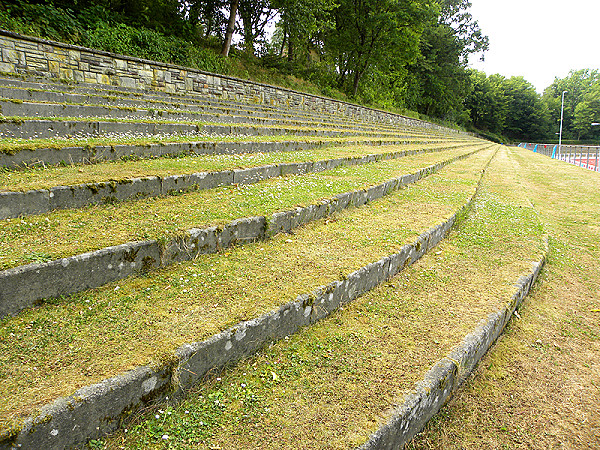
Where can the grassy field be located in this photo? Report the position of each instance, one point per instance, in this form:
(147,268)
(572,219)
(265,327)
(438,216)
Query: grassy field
(539,387)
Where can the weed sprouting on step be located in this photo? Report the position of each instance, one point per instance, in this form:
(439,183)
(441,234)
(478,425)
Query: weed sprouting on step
(37,257)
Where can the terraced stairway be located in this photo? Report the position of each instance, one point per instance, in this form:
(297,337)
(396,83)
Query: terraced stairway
(158,253)
(95,123)
(373,372)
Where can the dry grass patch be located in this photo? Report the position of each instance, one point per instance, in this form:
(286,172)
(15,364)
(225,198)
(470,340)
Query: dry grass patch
(334,383)
(51,351)
(538,387)
(291,126)
(68,232)
(46,177)
(15,145)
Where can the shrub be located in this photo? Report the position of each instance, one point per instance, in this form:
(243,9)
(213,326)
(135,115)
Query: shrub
(42,20)
(140,42)
(207,59)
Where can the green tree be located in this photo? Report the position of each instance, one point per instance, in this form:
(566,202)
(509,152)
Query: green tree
(301,22)
(508,107)
(577,84)
(455,14)
(255,15)
(486,103)
(438,79)
(208,15)
(587,112)
(370,32)
(526,116)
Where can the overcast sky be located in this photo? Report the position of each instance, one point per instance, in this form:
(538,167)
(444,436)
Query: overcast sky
(538,39)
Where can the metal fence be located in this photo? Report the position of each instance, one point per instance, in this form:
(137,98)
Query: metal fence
(585,156)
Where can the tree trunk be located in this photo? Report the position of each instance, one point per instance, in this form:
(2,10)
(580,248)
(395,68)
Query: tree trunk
(209,27)
(283,42)
(357,76)
(290,55)
(230,27)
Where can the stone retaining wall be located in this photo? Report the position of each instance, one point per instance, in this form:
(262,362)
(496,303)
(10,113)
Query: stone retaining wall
(33,56)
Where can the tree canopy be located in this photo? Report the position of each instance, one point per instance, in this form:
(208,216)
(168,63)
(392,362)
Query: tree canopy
(408,55)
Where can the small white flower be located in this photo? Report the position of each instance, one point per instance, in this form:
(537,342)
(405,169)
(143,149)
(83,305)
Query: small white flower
(165,436)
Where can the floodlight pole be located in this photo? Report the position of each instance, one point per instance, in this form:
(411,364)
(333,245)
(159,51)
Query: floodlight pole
(562,108)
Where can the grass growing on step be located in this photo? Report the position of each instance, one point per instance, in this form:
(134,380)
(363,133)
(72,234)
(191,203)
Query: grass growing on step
(200,101)
(538,386)
(316,126)
(15,145)
(44,178)
(215,108)
(334,383)
(53,350)
(144,111)
(68,232)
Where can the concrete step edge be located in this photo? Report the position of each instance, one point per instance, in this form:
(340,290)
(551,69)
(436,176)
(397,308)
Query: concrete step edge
(39,201)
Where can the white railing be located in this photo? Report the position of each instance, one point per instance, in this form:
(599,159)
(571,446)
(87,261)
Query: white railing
(586,156)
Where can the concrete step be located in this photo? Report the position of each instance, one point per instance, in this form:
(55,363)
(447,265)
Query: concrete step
(370,375)
(23,286)
(42,110)
(38,201)
(33,128)
(57,152)
(58,92)
(156,105)
(47,176)
(349,274)
(155,95)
